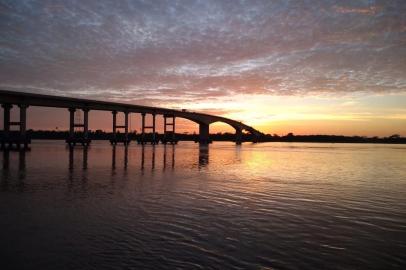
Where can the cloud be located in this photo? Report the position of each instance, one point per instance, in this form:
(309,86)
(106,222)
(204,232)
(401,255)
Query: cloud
(369,10)
(169,52)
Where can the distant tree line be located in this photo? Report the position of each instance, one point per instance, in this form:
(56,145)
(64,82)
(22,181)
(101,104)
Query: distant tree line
(290,137)
(334,138)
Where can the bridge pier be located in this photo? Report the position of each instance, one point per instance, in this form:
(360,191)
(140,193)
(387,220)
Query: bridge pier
(113,140)
(6,124)
(23,121)
(204,136)
(143,139)
(71,123)
(23,126)
(20,137)
(238,136)
(153,129)
(125,140)
(169,135)
(72,140)
(85,123)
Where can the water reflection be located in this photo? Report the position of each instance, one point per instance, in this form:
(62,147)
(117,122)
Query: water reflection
(5,171)
(21,160)
(21,165)
(246,207)
(72,157)
(153,157)
(85,158)
(172,160)
(114,155)
(21,170)
(125,156)
(153,150)
(147,154)
(6,160)
(203,156)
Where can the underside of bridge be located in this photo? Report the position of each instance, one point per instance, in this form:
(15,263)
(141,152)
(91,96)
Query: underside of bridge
(18,139)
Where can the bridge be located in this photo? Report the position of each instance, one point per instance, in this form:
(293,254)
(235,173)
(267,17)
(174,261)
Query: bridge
(23,100)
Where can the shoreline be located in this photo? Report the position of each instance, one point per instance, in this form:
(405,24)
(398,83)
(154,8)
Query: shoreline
(102,135)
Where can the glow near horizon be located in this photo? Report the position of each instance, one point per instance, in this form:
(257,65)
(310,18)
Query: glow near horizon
(332,67)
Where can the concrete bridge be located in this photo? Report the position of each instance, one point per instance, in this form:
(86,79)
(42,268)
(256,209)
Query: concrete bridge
(24,100)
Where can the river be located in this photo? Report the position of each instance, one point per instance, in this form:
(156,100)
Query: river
(222,206)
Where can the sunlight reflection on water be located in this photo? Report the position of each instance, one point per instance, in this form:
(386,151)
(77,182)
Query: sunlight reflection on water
(275,205)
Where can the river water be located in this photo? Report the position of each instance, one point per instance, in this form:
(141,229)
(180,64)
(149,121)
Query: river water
(255,206)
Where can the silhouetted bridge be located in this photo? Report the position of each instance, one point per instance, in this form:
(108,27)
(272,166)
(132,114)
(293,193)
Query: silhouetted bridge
(24,100)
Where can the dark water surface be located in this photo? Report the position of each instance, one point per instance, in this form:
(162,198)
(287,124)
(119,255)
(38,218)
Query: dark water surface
(262,206)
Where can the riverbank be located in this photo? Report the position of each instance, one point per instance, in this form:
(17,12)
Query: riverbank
(102,135)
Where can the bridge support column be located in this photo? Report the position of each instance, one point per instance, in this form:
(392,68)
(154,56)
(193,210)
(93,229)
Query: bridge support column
(116,139)
(72,139)
(142,139)
(113,141)
(153,139)
(126,141)
(23,125)
(174,141)
(20,137)
(153,129)
(238,136)
(204,137)
(6,124)
(165,125)
(72,123)
(169,135)
(86,124)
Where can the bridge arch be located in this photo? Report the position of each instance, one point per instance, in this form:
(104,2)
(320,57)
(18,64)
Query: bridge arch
(204,121)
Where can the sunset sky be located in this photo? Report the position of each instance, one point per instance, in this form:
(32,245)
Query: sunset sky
(307,67)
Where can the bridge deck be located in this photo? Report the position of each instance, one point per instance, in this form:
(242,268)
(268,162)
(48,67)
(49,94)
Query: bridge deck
(31,99)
